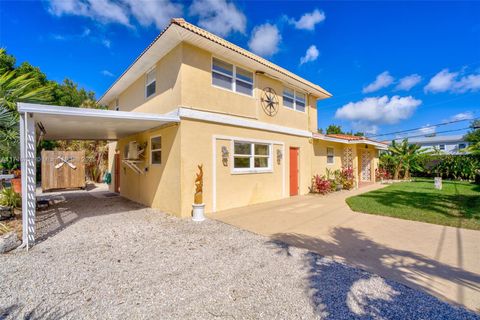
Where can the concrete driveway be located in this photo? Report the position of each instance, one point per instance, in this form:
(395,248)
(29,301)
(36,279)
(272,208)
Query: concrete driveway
(442,261)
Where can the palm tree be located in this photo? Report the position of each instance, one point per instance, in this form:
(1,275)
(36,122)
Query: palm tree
(23,88)
(405,156)
(13,89)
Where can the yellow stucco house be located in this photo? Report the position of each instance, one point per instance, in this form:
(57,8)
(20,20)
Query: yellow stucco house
(251,123)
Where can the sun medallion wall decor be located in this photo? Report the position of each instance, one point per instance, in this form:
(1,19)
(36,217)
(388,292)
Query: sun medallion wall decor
(269,101)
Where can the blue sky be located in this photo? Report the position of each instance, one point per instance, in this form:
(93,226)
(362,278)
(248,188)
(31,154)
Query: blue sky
(389,65)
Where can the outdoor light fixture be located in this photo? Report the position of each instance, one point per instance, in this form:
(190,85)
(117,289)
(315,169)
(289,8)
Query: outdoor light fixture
(279,156)
(225,154)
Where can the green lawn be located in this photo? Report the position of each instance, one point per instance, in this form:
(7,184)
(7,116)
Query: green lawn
(456,205)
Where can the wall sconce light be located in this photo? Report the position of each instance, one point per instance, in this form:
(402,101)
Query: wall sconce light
(279,156)
(225,154)
(366,146)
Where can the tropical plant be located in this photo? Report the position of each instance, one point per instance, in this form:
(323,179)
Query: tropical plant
(405,157)
(9,137)
(320,184)
(473,137)
(347,178)
(15,88)
(9,198)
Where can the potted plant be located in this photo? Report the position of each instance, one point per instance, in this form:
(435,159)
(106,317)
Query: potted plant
(17,181)
(198,207)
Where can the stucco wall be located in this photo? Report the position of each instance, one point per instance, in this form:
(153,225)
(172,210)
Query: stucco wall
(234,190)
(159,186)
(168,88)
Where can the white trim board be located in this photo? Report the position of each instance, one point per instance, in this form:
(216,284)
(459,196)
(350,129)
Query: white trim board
(96,113)
(239,122)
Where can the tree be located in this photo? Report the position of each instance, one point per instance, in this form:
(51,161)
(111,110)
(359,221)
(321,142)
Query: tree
(405,156)
(68,94)
(9,138)
(7,61)
(334,129)
(473,138)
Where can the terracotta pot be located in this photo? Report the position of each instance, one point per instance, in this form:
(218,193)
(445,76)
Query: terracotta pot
(17,185)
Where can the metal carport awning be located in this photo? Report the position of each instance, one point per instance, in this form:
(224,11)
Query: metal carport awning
(69,123)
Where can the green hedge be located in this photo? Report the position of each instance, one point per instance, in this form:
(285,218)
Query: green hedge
(465,167)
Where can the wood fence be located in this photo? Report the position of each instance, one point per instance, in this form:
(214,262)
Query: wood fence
(63,169)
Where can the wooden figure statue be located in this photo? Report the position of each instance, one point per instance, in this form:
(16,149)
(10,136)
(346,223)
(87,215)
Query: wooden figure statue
(199,186)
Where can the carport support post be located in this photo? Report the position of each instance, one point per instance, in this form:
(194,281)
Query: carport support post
(29,180)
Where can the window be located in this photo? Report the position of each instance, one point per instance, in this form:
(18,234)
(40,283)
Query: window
(330,155)
(150,83)
(156,150)
(251,157)
(117,106)
(230,77)
(462,146)
(441,147)
(294,100)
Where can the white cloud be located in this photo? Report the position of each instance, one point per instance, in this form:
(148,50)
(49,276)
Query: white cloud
(308,20)
(383,80)
(462,116)
(427,129)
(107,73)
(311,55)
(157,12)
(102,10)
(106,43)
(442,81)
(408,82)
(446,81)
(371,112)
(146,12)
(265,40)
(218,16)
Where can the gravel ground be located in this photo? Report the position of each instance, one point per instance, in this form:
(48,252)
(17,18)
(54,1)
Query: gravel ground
(113,259)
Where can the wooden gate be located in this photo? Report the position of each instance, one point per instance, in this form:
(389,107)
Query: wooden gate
(63,169)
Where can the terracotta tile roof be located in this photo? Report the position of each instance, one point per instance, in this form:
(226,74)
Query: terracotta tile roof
(350,137)
(345,136)
(210,36)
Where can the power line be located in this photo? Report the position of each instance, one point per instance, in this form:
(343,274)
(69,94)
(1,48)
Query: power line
(424,127)
(423,135)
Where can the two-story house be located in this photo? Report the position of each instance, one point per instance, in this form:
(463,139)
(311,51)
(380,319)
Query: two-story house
(250,123)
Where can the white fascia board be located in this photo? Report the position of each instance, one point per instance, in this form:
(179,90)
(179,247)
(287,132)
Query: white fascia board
(364,141)
(95,113)
(188,113)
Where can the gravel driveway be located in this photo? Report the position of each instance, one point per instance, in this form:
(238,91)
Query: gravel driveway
(110,258)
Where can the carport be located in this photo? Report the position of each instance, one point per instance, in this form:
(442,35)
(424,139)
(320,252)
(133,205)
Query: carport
(69,123)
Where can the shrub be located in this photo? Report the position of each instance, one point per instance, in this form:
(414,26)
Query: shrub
(9,198)
(381,174)
(347,178)
(320,184)
(451,167)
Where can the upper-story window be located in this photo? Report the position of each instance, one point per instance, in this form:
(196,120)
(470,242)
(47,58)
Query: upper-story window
(150,83)
(462,146)
(230,77)
(441,147)
(294,100)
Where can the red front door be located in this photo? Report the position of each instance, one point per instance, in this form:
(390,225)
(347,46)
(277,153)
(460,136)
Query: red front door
(293,171)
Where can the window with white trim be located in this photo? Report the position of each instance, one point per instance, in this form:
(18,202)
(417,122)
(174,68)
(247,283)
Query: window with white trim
(330,155)
(441,147)
(150,83)
(462,146)
(251,157)
(293,99)
(230,77)
(156,150)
